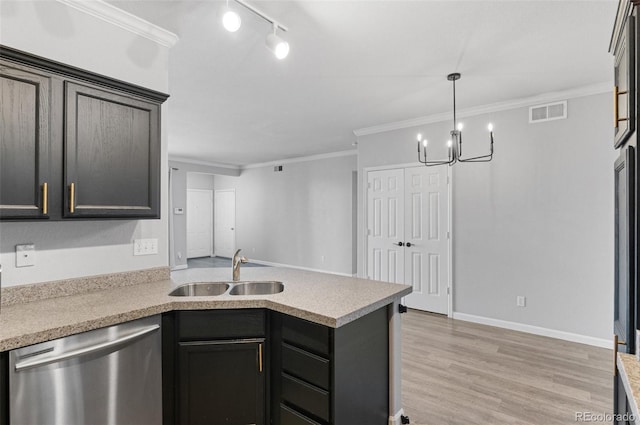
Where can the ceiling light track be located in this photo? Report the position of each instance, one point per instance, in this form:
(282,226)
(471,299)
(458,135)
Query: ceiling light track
(262,15)
(231,21)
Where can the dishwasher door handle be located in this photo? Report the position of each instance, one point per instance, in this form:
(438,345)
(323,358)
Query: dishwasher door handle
(35,362)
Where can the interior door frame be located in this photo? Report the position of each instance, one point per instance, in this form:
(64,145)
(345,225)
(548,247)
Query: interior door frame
(364,179)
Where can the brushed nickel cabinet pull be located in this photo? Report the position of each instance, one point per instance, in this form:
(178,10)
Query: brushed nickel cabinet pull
(260,355)
(72,198)
(45,198)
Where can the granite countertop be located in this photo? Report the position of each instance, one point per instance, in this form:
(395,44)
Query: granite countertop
(629,373)
(327,299)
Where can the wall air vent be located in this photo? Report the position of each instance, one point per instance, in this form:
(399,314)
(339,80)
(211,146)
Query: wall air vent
(548,112)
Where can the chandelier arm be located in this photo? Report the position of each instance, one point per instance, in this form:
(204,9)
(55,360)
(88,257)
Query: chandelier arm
(483,158)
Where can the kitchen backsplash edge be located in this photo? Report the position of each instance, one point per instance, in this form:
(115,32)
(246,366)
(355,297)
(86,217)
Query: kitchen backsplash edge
(61,288)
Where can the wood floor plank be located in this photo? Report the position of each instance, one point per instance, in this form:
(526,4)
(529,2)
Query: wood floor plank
(456,373)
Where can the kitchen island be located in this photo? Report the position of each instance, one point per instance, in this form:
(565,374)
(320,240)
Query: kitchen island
(334,302)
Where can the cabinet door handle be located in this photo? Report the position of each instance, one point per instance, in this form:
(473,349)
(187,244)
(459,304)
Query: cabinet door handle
(616,95)
(45,198)
(260,356)
(72,198)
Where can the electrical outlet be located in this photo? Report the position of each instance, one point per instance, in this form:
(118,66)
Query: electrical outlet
(25,255)
(521,301)
(145,246)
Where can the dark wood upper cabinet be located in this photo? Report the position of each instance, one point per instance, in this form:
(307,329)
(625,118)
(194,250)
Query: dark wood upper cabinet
(25,99)
(75,144)
(624,84)
(112,154)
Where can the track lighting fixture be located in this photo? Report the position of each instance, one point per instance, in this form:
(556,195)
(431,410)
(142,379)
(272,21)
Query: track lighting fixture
(454,145)
(231,21)
(279,47)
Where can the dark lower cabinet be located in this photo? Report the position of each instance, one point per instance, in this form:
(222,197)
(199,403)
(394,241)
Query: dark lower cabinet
(221,382)
(621,408)
(215,367)
(4,388)
(322,375)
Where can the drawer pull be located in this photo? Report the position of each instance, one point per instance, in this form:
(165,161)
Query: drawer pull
(260,350)
(72,198)
(45,198)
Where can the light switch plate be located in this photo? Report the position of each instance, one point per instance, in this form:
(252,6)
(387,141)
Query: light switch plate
(25,255)
(145,246)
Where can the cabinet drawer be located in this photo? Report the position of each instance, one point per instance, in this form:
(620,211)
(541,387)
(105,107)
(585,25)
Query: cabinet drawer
(220,324)
(307,397)
(306,366)
(307,335)
(289,416)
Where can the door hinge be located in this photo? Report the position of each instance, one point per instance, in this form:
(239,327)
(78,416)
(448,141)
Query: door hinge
(448,235)
(369,185)
(368,231)
(402,308)
(448,290)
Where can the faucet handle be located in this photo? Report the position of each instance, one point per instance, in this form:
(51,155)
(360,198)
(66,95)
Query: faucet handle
(243,260)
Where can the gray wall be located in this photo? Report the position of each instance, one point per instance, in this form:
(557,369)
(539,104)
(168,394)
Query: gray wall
(536,221)
(297,216)
(195,175)
(73,249)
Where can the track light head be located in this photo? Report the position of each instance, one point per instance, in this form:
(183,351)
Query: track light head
(277,45)
(231,21)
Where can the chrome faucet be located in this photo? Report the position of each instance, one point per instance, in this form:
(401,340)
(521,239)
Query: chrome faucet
(235,264)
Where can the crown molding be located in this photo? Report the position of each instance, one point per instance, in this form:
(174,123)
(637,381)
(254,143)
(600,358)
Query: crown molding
(301,159)
(485,109)
(124,20)
(205,163)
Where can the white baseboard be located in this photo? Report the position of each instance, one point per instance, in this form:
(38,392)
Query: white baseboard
(396,418)
(179,267)
(289,266)
(536,330)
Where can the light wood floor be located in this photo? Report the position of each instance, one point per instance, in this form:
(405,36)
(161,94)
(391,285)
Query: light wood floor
(456,372)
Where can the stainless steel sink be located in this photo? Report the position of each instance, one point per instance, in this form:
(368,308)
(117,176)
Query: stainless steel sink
(257,288)
(200,289)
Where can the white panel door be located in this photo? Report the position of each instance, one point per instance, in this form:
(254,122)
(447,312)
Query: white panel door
(225,223)
(199,223)
(385,224)
(426,238)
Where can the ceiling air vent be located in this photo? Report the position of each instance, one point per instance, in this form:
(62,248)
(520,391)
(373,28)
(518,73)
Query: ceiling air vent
(548,112)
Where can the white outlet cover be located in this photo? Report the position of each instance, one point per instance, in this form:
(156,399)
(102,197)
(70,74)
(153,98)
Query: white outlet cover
(25,255)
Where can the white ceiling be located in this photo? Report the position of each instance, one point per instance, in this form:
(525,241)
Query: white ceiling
(356,64)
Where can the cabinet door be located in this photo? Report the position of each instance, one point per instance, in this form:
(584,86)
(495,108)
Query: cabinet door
(221,382)
(24,143)
(621,408)
(625,297)
(624,88)
(112,154)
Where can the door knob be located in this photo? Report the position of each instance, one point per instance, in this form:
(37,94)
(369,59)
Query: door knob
(408,244)
(399,244)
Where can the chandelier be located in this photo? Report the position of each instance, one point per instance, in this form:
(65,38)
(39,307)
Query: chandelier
(454,145)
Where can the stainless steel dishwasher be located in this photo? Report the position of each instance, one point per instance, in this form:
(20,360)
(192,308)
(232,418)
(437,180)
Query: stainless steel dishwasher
(109,376)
